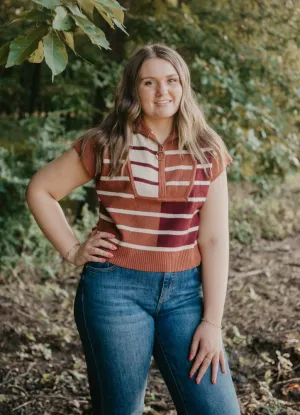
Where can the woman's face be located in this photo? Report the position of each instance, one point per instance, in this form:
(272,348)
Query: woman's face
(159,88)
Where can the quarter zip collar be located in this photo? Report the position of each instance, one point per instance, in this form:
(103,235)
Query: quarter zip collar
(141,127)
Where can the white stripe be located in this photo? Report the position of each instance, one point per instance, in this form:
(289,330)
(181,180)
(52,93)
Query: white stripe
(125,178)
(171,152)
(153,248)
(104,217)
(146,189)
(179,167)
(107,161)
(196,199)
(140,140)
(183,183)
(157,232)
(152,214)
(126,195)
(174,183)
(205,182)
(202,166)
(143,156)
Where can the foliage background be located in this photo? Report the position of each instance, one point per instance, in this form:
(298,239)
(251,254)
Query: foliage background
(245,66)
(244,62)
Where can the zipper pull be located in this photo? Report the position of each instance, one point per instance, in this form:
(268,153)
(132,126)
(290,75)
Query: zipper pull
(160,151)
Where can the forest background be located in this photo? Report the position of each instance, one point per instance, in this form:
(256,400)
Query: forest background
(244,60)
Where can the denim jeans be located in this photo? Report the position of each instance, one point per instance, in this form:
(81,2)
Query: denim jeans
(125,316)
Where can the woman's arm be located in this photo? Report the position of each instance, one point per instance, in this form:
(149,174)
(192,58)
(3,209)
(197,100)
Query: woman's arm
(213,242)
(49,185)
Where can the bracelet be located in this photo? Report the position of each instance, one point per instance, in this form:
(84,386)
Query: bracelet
(207,321)
(68,253)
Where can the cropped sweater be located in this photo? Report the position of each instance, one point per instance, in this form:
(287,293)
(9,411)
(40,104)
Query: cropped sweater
(154,208)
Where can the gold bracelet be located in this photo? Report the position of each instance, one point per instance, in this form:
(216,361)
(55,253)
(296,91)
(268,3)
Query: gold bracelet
(207,321)
(68,253)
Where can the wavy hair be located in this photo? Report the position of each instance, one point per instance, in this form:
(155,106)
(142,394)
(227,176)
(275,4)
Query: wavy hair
(115,131)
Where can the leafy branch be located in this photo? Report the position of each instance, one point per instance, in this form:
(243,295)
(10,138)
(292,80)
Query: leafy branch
(53,26)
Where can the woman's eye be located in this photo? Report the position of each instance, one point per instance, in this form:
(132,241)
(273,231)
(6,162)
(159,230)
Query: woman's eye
(152,82)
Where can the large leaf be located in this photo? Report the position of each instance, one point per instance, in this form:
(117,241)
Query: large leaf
(23,46)
(38,54)
(96,35)
(49,4)
(120,26)
(74,9)
(70,40)
(62,21)
(35,15)
(56,56)
(4,50)
(111,4)
(87,6)
(111,11)
(107,18)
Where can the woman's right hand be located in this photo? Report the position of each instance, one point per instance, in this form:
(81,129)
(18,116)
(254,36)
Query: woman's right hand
(90,250)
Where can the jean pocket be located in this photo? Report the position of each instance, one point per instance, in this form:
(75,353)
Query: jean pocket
(99,267)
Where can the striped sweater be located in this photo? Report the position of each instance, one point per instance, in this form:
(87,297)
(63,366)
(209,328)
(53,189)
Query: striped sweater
(154,208)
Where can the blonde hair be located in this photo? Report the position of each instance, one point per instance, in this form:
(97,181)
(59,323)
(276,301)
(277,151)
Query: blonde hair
(115,131)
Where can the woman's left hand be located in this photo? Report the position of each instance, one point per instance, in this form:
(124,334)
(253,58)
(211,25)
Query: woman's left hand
(209,340)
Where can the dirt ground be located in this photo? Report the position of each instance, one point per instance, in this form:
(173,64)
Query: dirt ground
(42,368)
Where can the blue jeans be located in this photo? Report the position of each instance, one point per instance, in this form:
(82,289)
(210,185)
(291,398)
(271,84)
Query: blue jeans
(125,316)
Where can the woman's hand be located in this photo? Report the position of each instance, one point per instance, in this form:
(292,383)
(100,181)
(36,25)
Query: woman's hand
(209,338)
(90,249)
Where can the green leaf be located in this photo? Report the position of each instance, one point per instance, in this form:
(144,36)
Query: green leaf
(38,55)
(23,46)
(74,9)
(35,15)
(96,35)
(56,56)
(111,11)
(87,6)
(4,50)
(70,40)
(105,16)
(120,26)
(119,15)
(49,4)
(110,4)
(62,20)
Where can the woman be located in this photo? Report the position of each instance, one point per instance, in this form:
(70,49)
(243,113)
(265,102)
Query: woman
(156,264)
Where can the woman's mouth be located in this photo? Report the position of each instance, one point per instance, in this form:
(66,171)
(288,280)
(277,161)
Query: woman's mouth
(163,103)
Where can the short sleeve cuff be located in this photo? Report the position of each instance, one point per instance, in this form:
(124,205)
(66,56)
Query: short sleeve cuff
(217,171)
(88,157)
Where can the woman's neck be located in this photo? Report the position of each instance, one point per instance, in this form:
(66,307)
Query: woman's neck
(161,128)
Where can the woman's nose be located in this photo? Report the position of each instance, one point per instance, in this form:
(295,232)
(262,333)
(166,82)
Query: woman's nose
(162,88)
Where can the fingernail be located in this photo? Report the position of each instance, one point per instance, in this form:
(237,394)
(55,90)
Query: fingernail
(214,381)
(191,356)
(198,381)
(191,375)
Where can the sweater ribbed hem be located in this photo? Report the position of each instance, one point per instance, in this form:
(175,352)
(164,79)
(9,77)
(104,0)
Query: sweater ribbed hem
(156,261)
